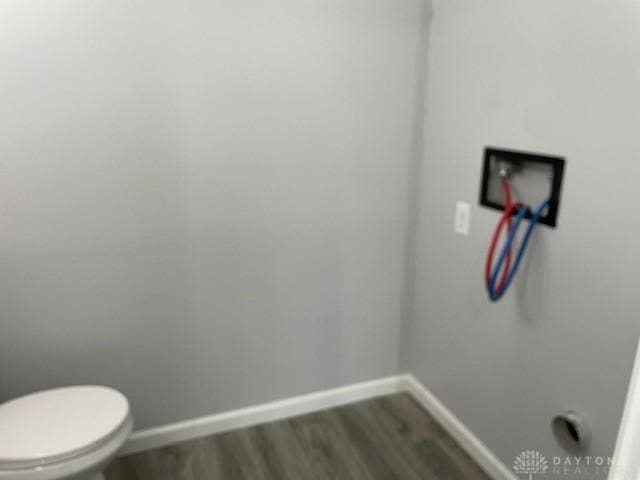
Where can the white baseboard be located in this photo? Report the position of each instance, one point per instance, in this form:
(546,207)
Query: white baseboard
(291,407)
(250,416)
(477,450)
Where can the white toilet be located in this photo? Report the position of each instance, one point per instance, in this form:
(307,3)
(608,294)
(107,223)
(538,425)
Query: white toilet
(65,433)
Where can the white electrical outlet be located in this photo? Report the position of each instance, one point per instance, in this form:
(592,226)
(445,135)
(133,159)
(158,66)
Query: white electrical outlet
(462,218)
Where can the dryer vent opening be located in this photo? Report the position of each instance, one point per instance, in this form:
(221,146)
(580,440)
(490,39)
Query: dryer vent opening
(571,431)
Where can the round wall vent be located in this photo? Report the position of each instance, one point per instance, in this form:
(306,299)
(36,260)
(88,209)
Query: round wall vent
(571,431)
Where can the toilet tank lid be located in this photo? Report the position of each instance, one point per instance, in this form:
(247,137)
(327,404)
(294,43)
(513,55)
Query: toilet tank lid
(53,425)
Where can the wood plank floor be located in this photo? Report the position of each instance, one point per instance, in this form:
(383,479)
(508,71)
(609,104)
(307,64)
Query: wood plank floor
(385,438)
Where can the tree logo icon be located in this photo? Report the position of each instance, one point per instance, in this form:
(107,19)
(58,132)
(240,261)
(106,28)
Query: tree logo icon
(530,462)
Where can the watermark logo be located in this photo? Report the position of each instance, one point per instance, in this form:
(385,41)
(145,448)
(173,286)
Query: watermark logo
(530,462)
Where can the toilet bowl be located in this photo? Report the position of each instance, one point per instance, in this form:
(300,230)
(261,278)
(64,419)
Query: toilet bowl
(65,433)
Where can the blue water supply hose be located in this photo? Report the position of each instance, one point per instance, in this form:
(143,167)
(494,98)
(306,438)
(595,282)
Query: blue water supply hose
(535,218)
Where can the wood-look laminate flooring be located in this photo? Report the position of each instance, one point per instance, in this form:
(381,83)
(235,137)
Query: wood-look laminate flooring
(384,438)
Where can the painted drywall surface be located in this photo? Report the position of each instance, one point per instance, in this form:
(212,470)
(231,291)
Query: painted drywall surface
(552,77)
(203,203)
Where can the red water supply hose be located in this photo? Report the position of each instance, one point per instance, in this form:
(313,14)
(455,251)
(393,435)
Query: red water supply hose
(505,220)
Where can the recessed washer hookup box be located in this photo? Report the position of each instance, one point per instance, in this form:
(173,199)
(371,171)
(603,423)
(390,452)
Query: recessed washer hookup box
(533,177)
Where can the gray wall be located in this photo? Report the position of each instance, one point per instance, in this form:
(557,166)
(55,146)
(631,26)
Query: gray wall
(203,203)
(546,76)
